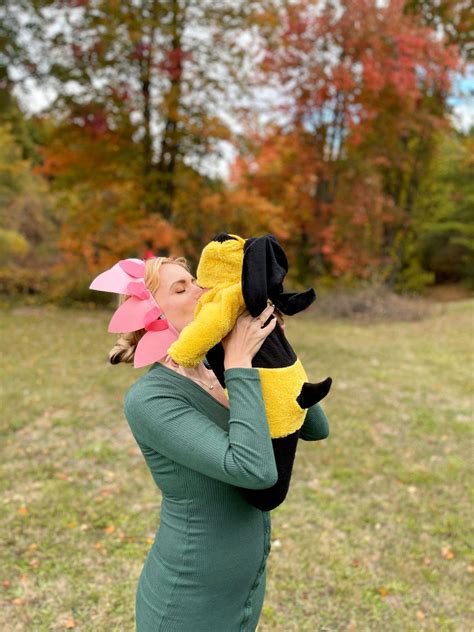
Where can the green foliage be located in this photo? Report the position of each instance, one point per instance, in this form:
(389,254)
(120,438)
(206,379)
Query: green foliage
(28,221)
(354,185)
(446,211)
(413,277)
(11,244)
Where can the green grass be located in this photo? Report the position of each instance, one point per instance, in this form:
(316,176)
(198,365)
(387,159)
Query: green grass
(375,532)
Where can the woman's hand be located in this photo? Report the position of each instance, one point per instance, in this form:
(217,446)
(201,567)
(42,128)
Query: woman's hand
(246,338)
(279,317)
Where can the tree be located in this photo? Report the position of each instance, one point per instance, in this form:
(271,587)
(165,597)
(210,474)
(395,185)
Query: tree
(153,75)
(28,226)
(451,17)
(366,88)
(445,212)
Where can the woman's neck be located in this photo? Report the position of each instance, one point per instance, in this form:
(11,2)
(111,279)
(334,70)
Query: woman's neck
(198,371)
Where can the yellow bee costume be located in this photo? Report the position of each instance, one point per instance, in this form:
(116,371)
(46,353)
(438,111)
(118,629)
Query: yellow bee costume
(248,274)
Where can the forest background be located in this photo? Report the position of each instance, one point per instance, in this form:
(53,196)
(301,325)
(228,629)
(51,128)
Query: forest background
(331,125)
(335,119)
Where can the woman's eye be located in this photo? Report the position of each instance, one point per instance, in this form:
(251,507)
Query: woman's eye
(181,291)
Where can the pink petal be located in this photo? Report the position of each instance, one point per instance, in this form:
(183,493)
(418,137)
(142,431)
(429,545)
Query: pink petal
(131,315)
(138,289)
(133,267)
(113,280)
(153,346)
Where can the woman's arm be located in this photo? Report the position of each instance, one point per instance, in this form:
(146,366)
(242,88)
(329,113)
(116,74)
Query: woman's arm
(316,425)
(243,456)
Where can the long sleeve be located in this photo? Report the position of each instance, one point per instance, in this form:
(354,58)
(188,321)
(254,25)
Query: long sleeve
(171,426)
(316,425)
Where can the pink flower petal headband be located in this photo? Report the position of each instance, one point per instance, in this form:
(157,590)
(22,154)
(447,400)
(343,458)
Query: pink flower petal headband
(140,311)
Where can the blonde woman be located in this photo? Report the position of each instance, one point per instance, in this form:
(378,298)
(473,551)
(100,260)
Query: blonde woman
(206,570)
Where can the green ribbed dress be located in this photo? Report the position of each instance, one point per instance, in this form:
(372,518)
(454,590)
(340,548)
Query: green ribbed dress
(206,569)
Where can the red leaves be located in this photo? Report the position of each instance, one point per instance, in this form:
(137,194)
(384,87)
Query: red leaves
(140,51)
(172,62)
(360,52)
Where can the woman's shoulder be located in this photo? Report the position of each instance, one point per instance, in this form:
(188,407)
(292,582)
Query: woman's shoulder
(153,386)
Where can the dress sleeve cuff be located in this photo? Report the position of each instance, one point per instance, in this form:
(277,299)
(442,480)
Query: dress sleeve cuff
(248,373)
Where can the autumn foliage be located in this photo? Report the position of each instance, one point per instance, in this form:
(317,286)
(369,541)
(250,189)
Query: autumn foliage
(359,103)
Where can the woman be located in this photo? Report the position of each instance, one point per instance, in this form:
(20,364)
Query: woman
(206,570)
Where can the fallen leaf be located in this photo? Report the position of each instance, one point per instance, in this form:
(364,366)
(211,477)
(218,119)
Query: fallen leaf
(33,546)
(23,511)
(427,561)
(383,591)
(34,563)
(6,583)
(447,553)
(355,562)
(18,601)
(70,623)
(420,615)
(110,528)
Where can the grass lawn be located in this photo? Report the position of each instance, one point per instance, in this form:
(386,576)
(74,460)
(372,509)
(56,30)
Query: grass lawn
(374,534)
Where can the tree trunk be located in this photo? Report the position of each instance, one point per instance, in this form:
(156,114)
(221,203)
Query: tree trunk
(170,144)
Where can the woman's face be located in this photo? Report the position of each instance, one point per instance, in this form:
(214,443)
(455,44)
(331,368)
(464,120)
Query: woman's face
(177,294)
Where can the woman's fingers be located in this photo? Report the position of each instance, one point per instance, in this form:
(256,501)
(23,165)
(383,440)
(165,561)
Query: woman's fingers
(272,323)
(266,312)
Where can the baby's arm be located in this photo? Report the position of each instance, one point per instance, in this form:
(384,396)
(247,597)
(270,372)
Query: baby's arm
(213,322)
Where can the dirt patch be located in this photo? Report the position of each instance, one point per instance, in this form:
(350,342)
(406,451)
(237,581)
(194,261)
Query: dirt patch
(373,303)
(447,293)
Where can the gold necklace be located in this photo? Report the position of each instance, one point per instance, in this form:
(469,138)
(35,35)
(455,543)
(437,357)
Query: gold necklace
(210,386)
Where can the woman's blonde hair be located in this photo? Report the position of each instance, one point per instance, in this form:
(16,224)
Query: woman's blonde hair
(124,348)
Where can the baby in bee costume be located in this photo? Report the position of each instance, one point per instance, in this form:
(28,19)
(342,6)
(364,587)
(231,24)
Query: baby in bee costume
(242,274)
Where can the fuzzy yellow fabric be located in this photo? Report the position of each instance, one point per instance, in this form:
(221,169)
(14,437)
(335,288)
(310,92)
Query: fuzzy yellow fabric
(280,388)
(216,314)
(220,271)
(221,263)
